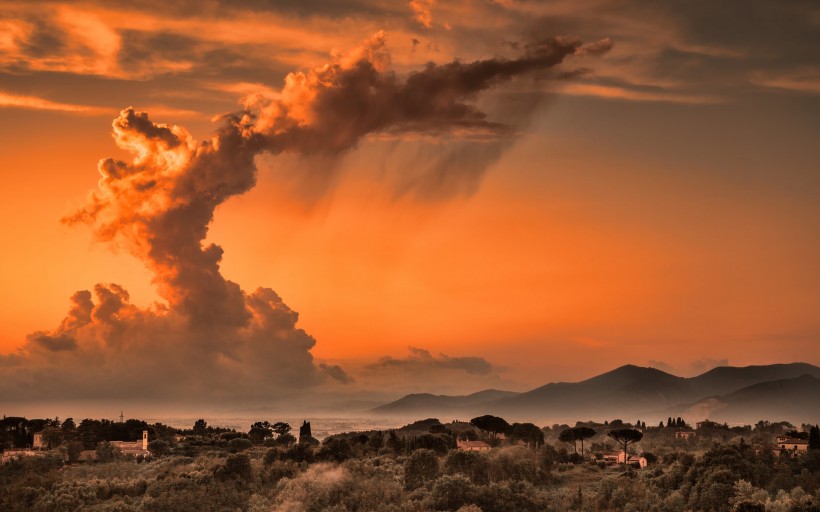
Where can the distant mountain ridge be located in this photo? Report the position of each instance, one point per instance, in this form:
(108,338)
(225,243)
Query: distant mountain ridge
(781,399)
(726,393)
(421,402)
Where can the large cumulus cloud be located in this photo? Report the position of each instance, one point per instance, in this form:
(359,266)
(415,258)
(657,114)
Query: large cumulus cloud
(209,340)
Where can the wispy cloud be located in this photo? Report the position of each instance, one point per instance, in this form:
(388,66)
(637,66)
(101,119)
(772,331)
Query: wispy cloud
(621,93)
(805,80)
(36,103)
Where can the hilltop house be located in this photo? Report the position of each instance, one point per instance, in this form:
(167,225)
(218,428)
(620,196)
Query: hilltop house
(792,445)
(472,446)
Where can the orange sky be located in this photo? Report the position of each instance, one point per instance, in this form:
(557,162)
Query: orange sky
(659,208)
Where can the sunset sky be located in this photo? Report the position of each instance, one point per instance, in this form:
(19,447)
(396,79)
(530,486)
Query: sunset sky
(453,195)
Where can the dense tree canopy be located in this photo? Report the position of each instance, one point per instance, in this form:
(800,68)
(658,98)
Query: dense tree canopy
(575,434)
(491,423)
(413,470)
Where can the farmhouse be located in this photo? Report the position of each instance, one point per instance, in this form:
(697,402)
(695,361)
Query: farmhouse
(621,457)
(472,446)
(792,445)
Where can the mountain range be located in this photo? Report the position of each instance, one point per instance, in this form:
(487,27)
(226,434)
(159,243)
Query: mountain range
(774,392)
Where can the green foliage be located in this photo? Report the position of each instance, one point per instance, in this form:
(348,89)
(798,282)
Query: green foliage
(814,438)
(285,440)
(299,452)
(237,466)
(451,492)
(159,448)
(473,465)
(526,432)
(239,444)
(517,464)
(422,425)
(52,437)
(439,443)
(257,434)
(468,435)
(334,450)
(309,441)
(407,471)
(280,428)
(107,452)
(420,468)
(73,450)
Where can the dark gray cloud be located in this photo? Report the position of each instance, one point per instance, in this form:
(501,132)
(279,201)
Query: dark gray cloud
(336,372)
(306,8)
(146,53)
(45,38)
(53,343)
(349,102)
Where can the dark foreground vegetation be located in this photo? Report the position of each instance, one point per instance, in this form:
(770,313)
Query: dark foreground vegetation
(424,466)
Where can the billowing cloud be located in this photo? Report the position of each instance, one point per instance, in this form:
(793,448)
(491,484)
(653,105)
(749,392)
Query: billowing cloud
(329,109)
(209,339)
(420,359)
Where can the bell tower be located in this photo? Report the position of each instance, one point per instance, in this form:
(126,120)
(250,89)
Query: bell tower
(144,439)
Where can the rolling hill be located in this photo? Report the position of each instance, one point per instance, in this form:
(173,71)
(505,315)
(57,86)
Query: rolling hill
(742,394)
(796,400)
(426,403)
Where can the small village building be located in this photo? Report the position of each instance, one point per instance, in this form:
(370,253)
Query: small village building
(87,456)
(133,448)
(12,453)
(622,458)
(634,459)
(37,444)
(610,458)
(685,434)
(792,445)
(472,446)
